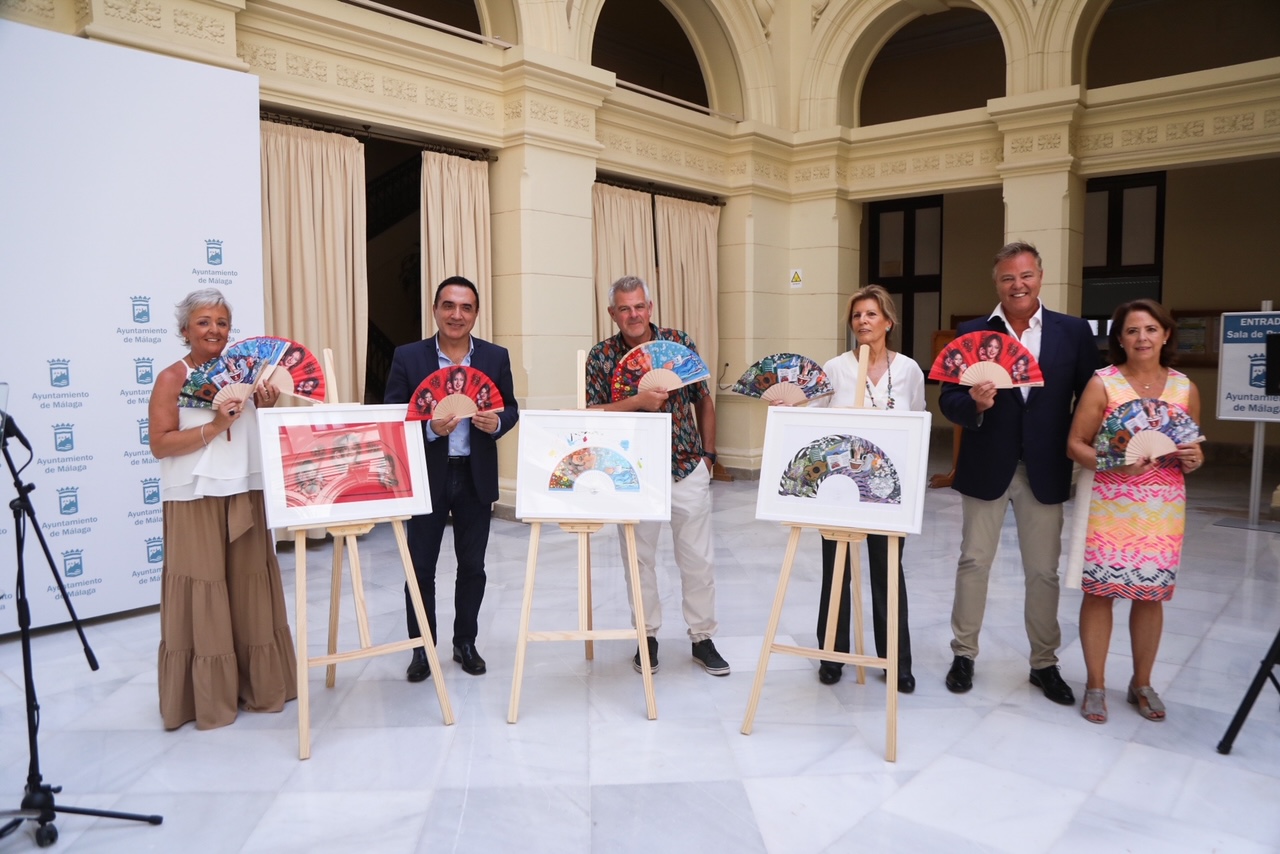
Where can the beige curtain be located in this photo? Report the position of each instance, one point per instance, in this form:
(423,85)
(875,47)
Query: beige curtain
(313,245)
(455,232)
(688,273)
(622,234)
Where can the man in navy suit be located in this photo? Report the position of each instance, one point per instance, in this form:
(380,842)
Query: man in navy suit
(1014,450)
(462,466)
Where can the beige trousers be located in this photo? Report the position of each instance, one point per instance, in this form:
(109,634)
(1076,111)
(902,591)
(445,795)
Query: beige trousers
(691,536)
(1039,529)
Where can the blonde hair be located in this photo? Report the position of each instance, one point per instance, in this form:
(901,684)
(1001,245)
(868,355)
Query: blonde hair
(882,298)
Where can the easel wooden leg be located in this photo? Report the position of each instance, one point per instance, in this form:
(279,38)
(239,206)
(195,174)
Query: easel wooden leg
(637,606)
(891,675)
(837,593)
(300,626)
(584,591)
(855,583)
(771,631)
(522,639)
(335,597)
(420,611)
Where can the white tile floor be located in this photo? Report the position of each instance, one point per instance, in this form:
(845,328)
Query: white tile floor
(998,769)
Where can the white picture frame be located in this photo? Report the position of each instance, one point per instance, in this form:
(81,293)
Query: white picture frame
(872,480)
(337,463)
(594,465)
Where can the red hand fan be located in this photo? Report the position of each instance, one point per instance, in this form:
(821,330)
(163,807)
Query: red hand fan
(456,390)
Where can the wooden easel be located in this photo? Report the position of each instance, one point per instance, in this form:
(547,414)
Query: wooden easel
(345,536)
(584,529)
(844,538)
(584,632)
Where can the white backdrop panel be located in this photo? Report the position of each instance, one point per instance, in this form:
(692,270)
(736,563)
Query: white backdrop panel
(128,180)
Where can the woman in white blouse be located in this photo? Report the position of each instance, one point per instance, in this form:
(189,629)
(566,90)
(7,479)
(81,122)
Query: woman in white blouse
(894,381)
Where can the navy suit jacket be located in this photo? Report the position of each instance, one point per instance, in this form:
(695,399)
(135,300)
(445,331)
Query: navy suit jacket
(1034,430)
(410,366)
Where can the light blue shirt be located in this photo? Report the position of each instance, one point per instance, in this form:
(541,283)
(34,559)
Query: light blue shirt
(460,438)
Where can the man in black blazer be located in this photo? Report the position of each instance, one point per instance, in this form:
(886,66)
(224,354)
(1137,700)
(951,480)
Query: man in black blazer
(1014,449)
(462,466)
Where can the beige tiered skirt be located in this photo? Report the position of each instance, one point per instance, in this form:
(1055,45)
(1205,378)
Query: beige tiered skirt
(224,633)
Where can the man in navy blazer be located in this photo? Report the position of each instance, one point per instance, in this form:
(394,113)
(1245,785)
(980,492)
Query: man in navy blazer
(1014,449)
(462,466)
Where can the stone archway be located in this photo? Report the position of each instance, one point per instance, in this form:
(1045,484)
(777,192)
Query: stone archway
(848,39)
(729,41)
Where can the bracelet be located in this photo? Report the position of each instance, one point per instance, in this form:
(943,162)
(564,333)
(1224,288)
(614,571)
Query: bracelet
(202,438)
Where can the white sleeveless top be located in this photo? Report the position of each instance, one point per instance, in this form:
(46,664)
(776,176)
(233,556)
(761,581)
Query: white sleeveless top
(223,467)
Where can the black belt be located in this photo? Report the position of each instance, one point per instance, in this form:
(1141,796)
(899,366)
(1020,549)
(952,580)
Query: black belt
(459,461)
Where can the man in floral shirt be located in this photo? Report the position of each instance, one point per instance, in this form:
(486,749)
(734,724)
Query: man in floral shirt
(693,436)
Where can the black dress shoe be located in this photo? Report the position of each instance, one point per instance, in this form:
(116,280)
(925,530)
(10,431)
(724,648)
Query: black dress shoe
(1049,680)
(906,683)
(960,676)
(419,669)
(829,672)
(466,655)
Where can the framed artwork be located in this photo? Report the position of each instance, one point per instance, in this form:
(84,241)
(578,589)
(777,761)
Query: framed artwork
(325,465)
(849,468)
(606,466)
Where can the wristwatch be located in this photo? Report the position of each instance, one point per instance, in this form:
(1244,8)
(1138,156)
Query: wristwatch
(710,455)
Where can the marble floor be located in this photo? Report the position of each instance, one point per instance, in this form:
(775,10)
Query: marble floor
(997,769)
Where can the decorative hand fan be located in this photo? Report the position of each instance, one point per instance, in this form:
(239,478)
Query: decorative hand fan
(198,391)
(984,355)
(457,390)
(242,363)
(299,374)
(1145,428)
(673,365)
(784,377)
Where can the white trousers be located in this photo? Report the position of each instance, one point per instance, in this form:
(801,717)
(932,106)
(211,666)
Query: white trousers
(691,535)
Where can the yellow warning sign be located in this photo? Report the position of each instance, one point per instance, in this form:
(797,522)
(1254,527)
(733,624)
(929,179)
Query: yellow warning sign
(797,278)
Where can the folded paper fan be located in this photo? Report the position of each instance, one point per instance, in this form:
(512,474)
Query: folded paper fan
(788,393)
(786,378)
(1145,428)
(661,379)
(1148,445)
(987,347)
(456,390)
(243,363)
(986,372)
(198,391)
(299,374)
(681,366)
(238,392)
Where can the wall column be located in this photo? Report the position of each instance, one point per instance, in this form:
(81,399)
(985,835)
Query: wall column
(540,205)
(1043,194)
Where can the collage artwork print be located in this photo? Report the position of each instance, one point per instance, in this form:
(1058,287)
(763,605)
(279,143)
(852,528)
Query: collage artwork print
(594,461)
(862,462)
(344,463)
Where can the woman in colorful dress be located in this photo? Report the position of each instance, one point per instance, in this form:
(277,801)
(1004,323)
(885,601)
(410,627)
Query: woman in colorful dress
(224,634)
(1137,511)
(894,381)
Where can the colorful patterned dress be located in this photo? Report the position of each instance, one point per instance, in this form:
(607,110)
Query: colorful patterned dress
(1134,543)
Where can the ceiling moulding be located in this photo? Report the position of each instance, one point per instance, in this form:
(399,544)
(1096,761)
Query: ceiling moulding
(203,32)
(1222,114)
(364,33)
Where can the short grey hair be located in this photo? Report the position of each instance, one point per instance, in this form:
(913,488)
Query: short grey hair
(198,299)
(626,285)
(1013,250)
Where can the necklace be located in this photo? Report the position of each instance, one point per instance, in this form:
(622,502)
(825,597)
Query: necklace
(888,391)
(1145,386)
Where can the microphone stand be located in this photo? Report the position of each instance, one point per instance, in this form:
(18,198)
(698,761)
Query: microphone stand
(37,801)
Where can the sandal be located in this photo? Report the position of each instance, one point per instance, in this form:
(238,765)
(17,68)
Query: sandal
(1094,708)
(1153,709)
